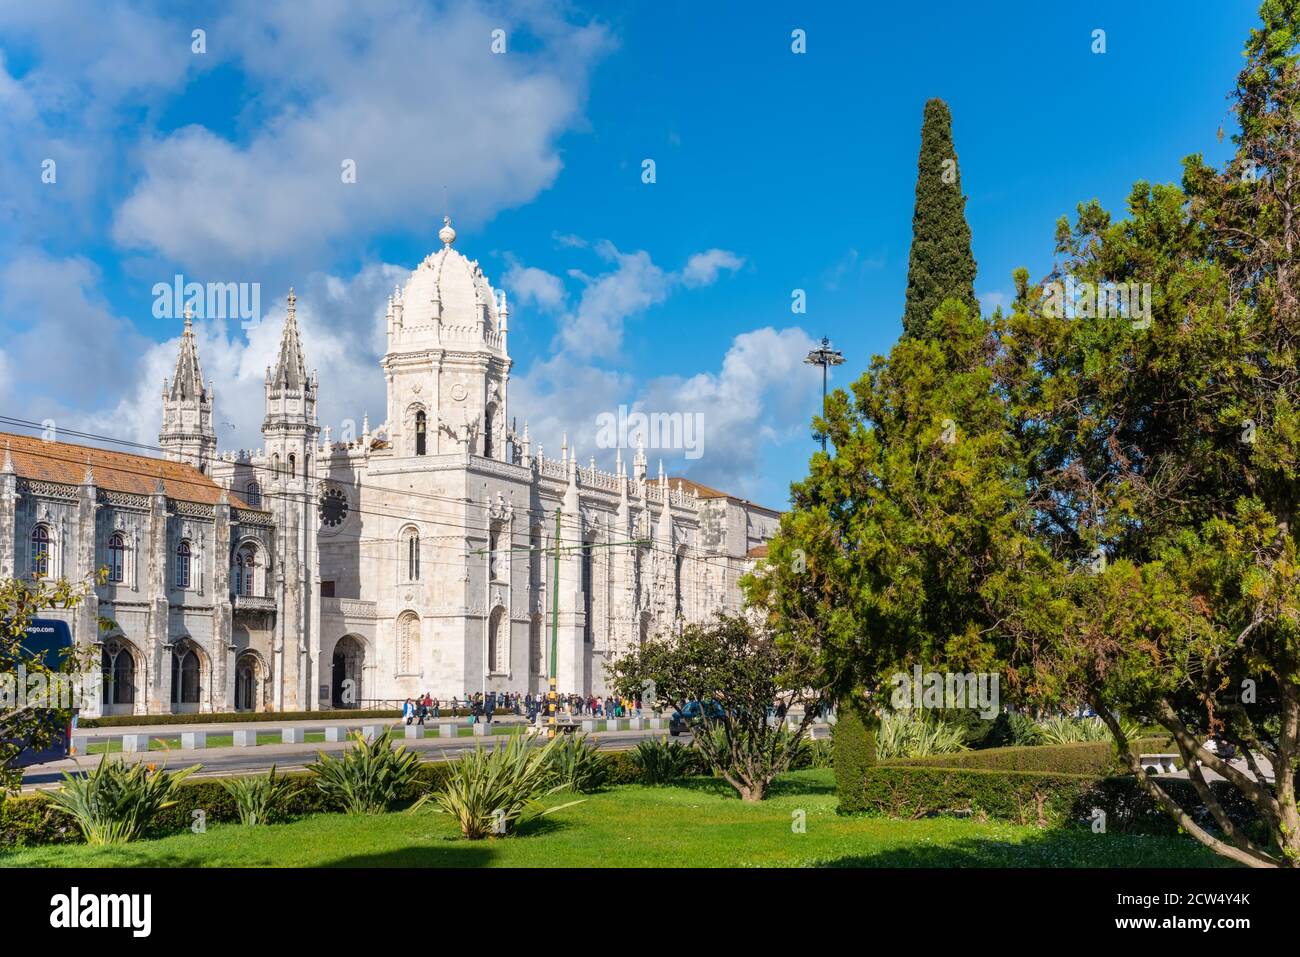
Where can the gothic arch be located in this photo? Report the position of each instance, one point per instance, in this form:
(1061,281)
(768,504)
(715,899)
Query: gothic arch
(407,658)
(248,568)
(123,673)
(191,673)
(347,670)
(251,681)
(498,646)
(410,422)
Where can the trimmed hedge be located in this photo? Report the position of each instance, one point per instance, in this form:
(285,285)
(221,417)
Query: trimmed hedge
(237,717)
(854,742)
(1032,797)
(1095,758)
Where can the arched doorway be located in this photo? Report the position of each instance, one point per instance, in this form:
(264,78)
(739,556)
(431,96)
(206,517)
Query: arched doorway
(188,675)
(248,683)
(349,659)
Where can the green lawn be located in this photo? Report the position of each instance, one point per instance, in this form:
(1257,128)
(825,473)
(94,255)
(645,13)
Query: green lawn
(699,824)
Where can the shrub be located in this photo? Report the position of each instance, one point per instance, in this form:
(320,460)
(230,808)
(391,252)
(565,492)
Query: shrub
(490,791)
(912,734)
(663,762)
(1086,757)
(114,803)
(369,776)
(854,742)
(577,764)
(1021,730)
(1032,797)
(259,799)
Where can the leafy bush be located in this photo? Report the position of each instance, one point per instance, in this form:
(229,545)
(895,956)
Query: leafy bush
(1032,797)
(490,791)
(259,799)
(1021,730)
(1085,757)
(909,734)
(854,742)
(114,803)
(662,762)
(369,776)
(577,764)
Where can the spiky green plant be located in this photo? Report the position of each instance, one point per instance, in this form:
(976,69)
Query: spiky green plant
(578,765)
(1063,730)
(908,734)
(491,791)
(261,798)
(1022,730)
(370,775)
(662,761)
(114,803)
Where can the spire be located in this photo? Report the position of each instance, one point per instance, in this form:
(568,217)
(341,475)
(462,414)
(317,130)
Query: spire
(187,383)
(8,467)
(290,371)
(638,463)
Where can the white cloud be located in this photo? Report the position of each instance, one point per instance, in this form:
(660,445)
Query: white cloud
(412,96)
(529,285)
(702,269)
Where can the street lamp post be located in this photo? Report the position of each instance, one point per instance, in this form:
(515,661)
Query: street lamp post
(825,357)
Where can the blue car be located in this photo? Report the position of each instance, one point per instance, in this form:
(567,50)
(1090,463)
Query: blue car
(682,718)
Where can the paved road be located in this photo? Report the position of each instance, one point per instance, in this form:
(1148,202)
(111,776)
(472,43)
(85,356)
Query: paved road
(290,757)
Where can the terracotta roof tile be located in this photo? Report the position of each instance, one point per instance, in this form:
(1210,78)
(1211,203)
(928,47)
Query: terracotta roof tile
(66,464)
(705,491)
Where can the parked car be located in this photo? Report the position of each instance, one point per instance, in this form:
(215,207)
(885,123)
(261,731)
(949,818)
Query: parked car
(681,719)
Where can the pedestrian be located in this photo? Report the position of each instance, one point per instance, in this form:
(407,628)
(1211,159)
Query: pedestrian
(422,711)
(408,710)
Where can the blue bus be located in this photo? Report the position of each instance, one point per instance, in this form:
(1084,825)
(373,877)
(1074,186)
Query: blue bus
(51,641)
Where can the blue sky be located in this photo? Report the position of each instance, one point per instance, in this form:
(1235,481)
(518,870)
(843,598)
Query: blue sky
(774,171)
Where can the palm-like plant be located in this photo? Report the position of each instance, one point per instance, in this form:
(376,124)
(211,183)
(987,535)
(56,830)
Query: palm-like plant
(578,765)
(370,775)
(114,803)
(907,734)
(662,761)
(491,791)
(1063,730)
(261,798)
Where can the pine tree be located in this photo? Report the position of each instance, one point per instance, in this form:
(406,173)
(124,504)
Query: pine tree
(941,265)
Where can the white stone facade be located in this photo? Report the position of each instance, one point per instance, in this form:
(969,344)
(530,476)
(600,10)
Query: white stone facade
(419,557)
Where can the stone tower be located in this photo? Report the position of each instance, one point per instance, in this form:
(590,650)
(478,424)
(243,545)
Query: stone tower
(187,432)
(447,365)
(290,432)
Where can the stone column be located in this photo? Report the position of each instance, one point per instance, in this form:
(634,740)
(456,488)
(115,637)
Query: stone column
(223,665)
(8,515)
(158,635)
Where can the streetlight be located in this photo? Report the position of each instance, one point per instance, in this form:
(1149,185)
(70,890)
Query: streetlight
(824,357)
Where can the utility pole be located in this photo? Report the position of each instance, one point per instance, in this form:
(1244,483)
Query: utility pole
(824,357)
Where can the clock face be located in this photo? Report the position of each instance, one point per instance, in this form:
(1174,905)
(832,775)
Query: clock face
(333,508)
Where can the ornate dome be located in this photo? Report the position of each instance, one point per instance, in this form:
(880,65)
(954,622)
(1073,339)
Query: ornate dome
(449,288)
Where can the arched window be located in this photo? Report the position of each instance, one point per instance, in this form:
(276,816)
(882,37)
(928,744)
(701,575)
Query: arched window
(421,442)
(408,644)
(275,466)
(677,581)
(254,495)
(293,465)
(498,653)
(494,566)
(412,538)
(41,555)
(116,558)
(117,666)
(244,572)
(588,586)
(185,673)
(183,565)
(489,422)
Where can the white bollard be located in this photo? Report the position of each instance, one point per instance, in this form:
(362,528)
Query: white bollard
(635,724)
(372,731)
(414,732)
(613,724)
(590,725)
(135,743)
(80,745)
(482,729)
(292,736)
(449,729)
(658,724)
(245,738)
(194,740)
(336,733)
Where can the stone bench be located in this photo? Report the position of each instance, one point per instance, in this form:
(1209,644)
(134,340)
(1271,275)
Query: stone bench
(1159,763)
(449,729)
(372,731)
(636,724)
(590,725)
(613,724)
(659,724)
(482,729)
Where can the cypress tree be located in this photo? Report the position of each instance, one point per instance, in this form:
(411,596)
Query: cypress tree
(941,265)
